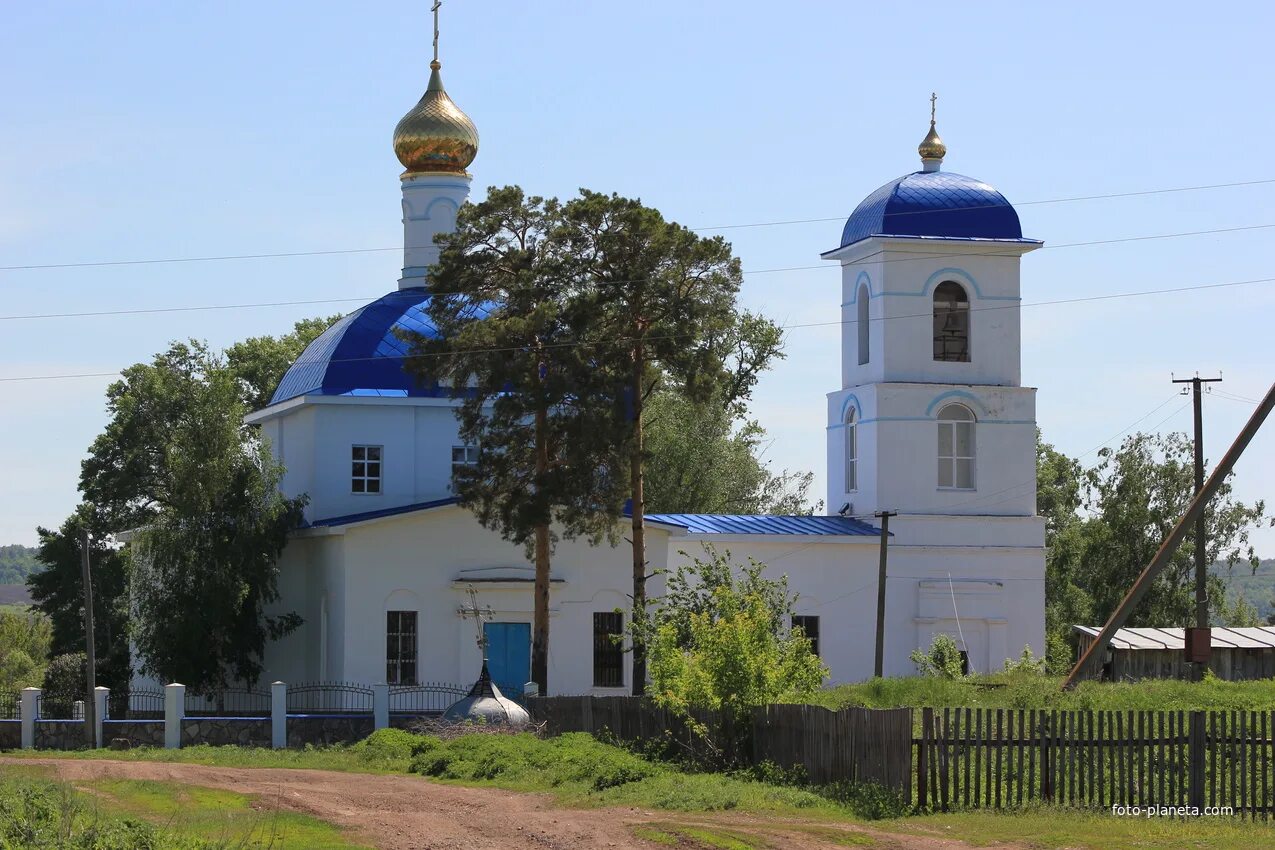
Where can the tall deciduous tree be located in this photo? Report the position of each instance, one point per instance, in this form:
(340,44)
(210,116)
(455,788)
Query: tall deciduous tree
(127,478)
(204,563)
(664,312)
(260,362)
(1136,495)
(535,402)
(58,592)
(1104,524)
(703,460)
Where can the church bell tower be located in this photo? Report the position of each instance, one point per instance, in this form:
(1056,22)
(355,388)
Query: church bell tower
(931,417)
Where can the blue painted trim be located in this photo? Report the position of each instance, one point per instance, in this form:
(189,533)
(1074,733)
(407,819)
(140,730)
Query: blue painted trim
(929,419)
(979,410)
(965,278)
(858,407)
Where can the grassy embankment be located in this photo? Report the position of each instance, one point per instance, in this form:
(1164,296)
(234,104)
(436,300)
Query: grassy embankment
(129,815)
(583,772)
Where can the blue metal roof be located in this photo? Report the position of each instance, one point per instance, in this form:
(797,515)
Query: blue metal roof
(361,355)
(934,204)
(826,526)
(349,519)
(819,526)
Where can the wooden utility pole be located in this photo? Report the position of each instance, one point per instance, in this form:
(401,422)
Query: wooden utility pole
(885,549)
(1201,642)
(90,650)
(1196,509)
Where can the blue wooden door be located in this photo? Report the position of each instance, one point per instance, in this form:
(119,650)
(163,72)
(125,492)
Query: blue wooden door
(509,655)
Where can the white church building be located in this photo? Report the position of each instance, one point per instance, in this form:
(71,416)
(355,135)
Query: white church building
(930,422)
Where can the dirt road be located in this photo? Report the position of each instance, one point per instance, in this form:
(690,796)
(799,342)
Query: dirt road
(410,813)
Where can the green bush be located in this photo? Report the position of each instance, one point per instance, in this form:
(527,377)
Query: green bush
(387,748)
(65,681)
(867,800)
(942,660)
(525,759)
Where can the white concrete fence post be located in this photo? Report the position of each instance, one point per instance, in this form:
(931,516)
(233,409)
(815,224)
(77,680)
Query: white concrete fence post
(278,715)
(99,713)
(174,708)
(380,706)
(30,699)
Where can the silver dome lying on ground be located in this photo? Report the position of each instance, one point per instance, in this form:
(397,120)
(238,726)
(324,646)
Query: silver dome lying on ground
(486,704)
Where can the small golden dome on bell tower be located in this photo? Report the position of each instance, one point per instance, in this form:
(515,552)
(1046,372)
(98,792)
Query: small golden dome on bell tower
(932,149)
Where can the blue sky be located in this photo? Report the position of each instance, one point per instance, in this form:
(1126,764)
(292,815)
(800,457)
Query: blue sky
(151,130)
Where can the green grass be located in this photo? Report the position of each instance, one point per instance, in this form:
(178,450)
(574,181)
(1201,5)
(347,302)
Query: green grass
(383,752)
(133,815)
(1051,829)
(581,771)
(1002,690)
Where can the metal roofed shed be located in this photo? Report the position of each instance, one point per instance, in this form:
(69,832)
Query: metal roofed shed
(1238,654)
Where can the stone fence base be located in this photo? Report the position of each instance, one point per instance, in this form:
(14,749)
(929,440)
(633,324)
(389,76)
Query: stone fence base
(226,731)
(138,733)
(328,729)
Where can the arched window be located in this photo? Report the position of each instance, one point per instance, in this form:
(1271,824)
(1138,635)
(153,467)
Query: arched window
(861,301)
(956,448)
(852,451)
(951,323)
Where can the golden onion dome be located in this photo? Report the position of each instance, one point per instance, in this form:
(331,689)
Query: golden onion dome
(932,146)
(435,136)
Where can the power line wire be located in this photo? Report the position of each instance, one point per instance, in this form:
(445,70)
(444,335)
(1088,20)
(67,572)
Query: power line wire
(1030,482)
(339,251)
(1072,199)
(799,326)
(412,294)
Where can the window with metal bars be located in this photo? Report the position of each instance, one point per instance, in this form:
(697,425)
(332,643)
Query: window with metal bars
(608,652)
(400,647)
(809,625)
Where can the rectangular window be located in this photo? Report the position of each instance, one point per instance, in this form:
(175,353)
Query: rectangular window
(608,652)
(462,457)
(956,455)
(365,469)
(809,625)
(400,647)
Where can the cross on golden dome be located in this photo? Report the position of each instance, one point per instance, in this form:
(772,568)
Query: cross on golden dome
(932,149)
(435,136)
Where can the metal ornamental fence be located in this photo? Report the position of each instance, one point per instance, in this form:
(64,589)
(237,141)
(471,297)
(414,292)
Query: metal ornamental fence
(425,698)
(231,702)
(329,698)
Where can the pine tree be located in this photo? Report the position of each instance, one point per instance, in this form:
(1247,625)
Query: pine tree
(541,413)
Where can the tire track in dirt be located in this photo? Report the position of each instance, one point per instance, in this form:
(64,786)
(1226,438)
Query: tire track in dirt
(402,812)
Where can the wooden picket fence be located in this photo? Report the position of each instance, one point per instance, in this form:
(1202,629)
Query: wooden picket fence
(993,758)
(1006,758)
(853,744)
